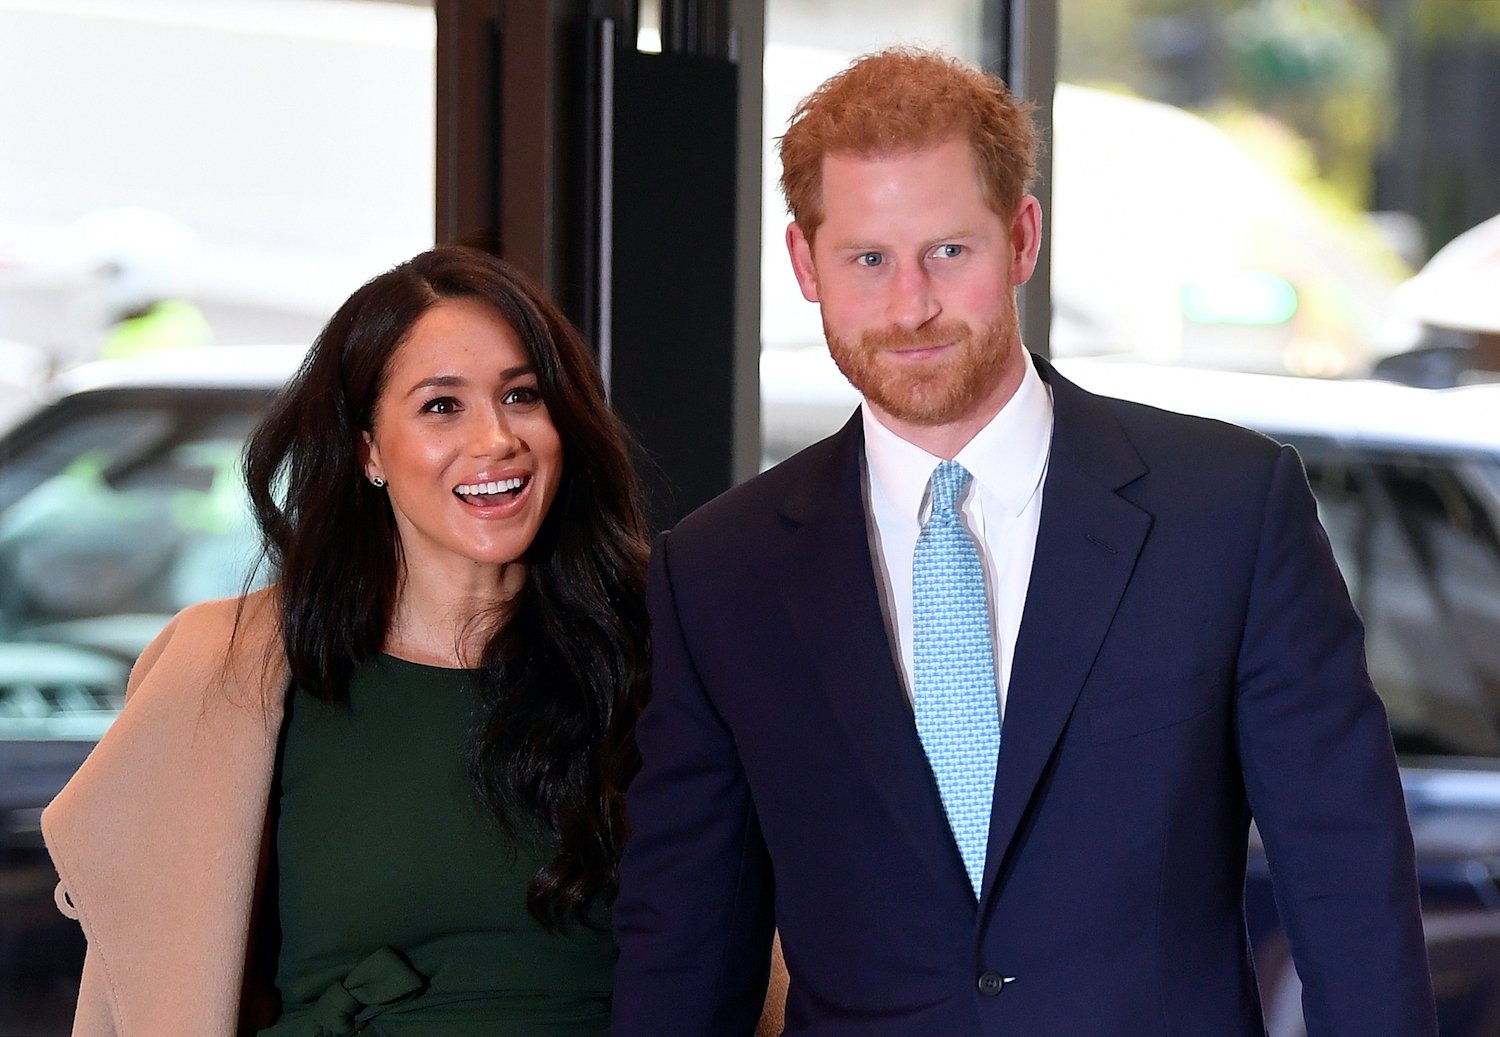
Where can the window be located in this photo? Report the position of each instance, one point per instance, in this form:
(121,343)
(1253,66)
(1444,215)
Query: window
(1415,535)
(1253,183)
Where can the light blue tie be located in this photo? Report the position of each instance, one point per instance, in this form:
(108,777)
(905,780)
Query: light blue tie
(958,717)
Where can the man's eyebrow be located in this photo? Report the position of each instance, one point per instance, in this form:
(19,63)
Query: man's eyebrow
(855,245)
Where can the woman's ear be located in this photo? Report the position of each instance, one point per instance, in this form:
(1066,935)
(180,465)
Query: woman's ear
(369,455)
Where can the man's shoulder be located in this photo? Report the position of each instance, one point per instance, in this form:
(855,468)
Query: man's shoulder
(1165,438)
(755,514)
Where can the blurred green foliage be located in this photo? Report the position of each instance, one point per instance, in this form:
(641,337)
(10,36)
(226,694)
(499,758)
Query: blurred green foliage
(1454,19)
(1323,68)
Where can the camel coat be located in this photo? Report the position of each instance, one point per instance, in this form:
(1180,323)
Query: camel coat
(171,806)
(158,837)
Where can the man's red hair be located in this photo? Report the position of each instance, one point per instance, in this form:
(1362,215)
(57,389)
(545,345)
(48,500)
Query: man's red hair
(905,99)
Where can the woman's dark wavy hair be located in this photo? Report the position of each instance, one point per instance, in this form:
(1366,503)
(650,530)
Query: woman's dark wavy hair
(565,673)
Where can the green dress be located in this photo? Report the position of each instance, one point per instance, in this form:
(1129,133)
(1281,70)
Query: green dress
(402,905)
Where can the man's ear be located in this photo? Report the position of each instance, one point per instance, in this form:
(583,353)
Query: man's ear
(1025,239)
(800,249)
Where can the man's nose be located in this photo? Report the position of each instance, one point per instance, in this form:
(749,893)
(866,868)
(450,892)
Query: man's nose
(912,302)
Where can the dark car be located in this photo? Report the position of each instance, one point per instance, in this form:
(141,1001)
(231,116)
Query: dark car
(120,503)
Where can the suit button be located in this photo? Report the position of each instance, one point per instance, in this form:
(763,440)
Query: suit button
(991,983)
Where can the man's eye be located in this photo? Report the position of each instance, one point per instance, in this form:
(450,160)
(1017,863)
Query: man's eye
(522,394)
(441,405)
(869,259)
(948,251)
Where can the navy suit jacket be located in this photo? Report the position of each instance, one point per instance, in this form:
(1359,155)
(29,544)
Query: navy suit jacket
(1188,659)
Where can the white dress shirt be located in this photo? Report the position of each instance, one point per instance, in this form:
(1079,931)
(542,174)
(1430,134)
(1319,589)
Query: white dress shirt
(1001,509)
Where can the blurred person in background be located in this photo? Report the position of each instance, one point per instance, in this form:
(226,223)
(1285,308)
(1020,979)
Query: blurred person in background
(384,794)
(134,260)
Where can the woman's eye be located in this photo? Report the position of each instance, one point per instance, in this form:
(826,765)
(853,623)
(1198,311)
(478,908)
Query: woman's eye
(522,394)
(441,405)
(869,259)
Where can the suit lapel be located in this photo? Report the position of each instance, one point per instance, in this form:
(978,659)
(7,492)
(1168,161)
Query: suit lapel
(1087,544)
(828,580)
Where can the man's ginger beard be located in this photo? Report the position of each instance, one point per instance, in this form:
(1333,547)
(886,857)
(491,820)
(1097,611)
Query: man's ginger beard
(934,391)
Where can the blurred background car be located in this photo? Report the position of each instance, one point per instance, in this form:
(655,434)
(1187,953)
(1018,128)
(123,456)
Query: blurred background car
(23,374)
(121,502)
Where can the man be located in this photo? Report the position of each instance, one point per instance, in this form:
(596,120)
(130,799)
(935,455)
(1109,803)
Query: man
(975,700)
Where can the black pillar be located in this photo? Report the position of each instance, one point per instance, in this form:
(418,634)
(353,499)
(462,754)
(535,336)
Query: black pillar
(609,175)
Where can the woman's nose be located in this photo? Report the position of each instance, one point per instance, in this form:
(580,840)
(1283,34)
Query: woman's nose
(495,437)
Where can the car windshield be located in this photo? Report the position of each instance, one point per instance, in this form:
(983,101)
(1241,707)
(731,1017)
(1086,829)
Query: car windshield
(117,509)
(1416,536)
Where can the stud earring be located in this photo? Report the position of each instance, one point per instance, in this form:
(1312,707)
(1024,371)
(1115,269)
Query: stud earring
(377,482)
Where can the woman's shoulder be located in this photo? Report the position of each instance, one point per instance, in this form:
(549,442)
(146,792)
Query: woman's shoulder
(220,636)
(253,613)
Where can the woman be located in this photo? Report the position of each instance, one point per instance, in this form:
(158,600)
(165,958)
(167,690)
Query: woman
(384,795)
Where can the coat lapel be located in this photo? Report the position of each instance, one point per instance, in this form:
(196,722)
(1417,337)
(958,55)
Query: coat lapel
(1087,544)
(828,580)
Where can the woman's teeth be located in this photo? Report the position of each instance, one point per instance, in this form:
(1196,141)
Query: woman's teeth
(483,489)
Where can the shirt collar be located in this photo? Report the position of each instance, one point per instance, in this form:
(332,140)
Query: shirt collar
(1008,457)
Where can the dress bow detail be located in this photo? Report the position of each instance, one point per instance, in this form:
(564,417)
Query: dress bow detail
(380,981)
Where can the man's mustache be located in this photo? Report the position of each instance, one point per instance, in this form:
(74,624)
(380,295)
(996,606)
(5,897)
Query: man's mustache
(925,337)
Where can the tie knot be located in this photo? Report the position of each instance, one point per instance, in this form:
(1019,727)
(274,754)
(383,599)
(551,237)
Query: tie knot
(948,482)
